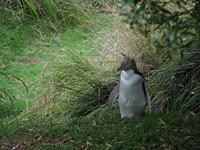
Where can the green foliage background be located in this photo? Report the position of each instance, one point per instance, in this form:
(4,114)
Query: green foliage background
(61,101)
(170,28)
(169,25)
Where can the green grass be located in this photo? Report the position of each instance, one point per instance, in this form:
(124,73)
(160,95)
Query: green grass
(156,131)
(26,48)
(175,85)
(47,60)
(59,13)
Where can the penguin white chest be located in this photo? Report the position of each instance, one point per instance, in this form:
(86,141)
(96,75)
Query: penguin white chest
(132,99)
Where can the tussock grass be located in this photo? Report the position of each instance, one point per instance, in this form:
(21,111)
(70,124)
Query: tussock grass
(74,88)
(78,85)
(175,86)
(57,12)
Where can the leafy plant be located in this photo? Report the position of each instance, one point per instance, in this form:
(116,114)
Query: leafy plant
(169,25)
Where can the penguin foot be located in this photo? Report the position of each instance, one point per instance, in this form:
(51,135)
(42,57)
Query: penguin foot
(128,116)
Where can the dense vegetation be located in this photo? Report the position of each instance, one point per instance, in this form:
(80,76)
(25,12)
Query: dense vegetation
(58,63)
(171,28)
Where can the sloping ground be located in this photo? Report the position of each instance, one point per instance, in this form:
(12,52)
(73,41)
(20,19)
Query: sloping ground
(156,131)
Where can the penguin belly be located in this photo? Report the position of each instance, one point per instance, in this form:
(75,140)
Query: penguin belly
(132,101)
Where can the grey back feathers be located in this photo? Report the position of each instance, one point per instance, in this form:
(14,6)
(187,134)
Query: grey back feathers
(147,96)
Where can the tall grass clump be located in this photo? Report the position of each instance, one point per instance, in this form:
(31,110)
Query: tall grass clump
(176,86)
(58,12)
(74,88)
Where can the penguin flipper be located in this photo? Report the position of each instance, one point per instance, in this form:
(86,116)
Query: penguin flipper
(146,93)
(113,95)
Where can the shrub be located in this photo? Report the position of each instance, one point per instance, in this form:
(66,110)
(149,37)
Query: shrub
(170,26)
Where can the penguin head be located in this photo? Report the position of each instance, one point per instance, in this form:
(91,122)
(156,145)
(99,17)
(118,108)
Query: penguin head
(127,64)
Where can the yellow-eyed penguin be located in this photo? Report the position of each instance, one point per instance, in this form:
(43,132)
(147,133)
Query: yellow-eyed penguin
(133,95)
